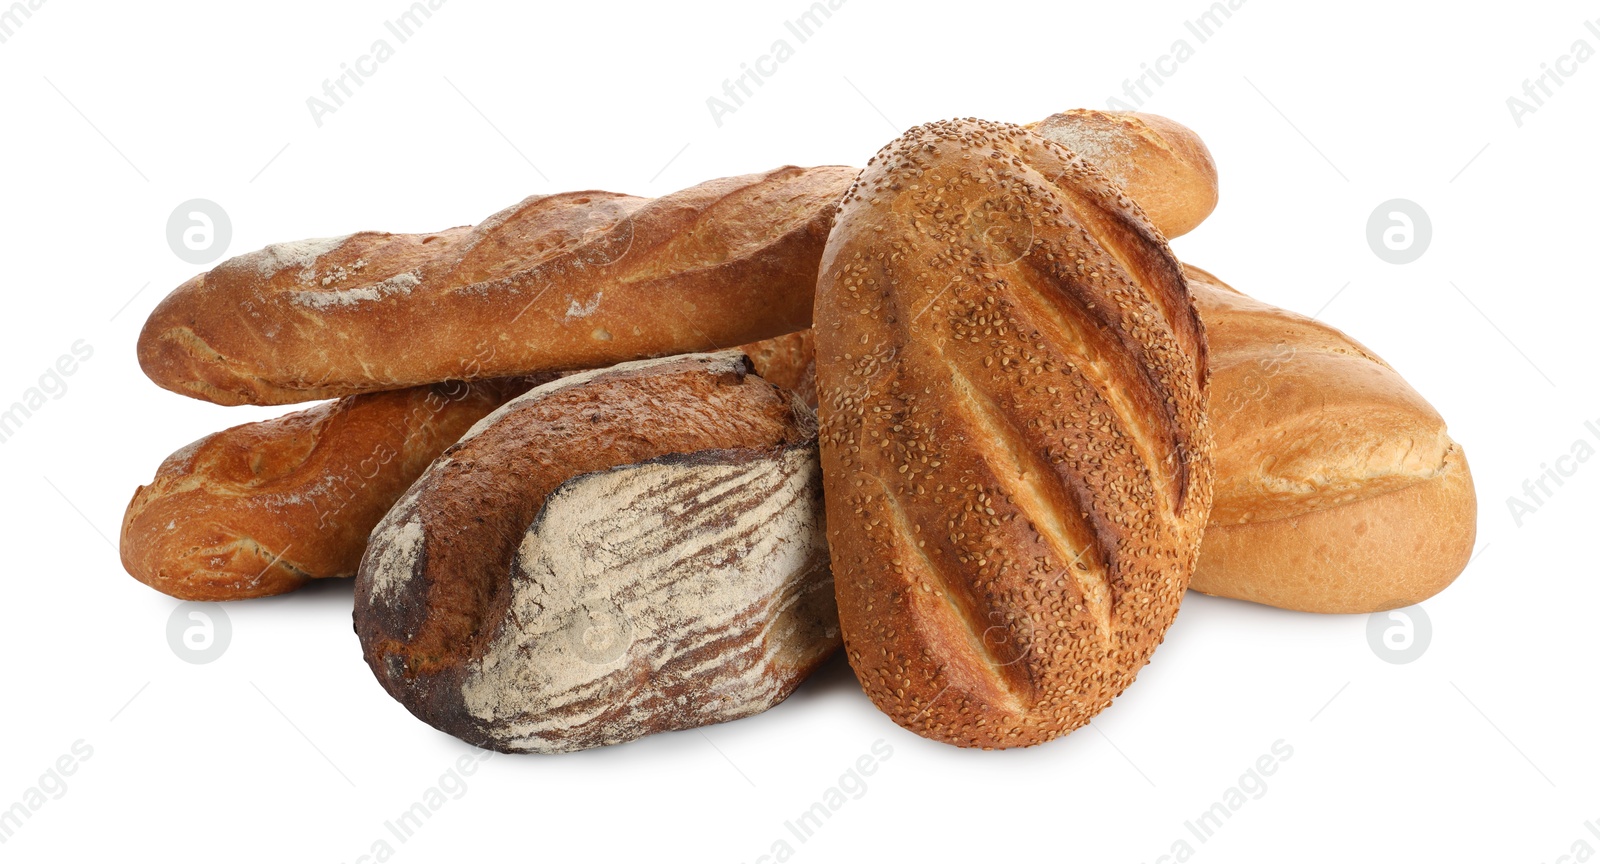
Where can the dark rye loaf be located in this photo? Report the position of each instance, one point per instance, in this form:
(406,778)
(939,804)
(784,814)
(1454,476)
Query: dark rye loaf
(619,552)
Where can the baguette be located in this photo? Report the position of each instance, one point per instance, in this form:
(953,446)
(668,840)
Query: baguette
(569,281)
(620,552)
(1338,488)
(557,282)
(1017,460)
(265,507)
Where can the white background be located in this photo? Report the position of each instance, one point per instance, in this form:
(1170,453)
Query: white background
(286,748)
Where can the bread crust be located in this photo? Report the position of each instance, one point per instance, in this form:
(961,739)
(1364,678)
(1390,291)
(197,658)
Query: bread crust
(444,590)
(262,508)
(569,281)
(1011,379)
(789,361)
(1338,487)
(1161,164)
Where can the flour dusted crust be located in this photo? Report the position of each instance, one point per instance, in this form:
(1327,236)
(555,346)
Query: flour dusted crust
(640,568)
(619,552)
(1011,381)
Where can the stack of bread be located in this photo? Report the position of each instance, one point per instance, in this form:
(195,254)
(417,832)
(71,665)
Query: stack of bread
(981,428)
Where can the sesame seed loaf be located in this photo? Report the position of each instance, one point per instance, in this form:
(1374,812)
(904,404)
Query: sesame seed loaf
(620,552)
(1011,381)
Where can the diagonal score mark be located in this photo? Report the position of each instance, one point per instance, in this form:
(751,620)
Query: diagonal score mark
(1503,734)
(1122,754)
(871,105)
(1327,703)
(1503,334)
(496,129)
(96,129)
(81,513)
(725,757)
(303,734)
(1469,162)
(1296,129)
(1325,306)
(127,703)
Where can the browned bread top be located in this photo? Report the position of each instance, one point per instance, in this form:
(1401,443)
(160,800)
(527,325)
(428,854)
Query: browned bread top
(1015,448)
(567,281)
(1161,164)
(1305,417)
(258,509)
(1338,487)
(435,589)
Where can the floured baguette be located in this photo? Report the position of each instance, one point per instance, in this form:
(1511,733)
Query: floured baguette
(1011,379)
(620,552)
(570,281)
(265,507)
(1338,488)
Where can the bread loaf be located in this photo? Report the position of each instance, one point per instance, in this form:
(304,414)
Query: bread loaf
(262,508)
(1338,488)
(620,552)
(1162,165)
(1011,378)
(568,281)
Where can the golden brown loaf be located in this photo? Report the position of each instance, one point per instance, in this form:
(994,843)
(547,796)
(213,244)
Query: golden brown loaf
(261,508)
(1011,379)
(620,552)
(1162,165)
(569,281)
(1338,488)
